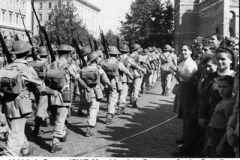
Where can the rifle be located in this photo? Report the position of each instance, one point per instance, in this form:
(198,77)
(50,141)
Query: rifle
(90,43)
(104,44)
(118,43)
(5,49)
(29,38)
(95,44)
(42,29)
(130,45)
(16,38)
(79,39)
(79,51)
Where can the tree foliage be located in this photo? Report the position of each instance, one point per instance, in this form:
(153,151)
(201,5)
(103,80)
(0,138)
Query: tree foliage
(111,38)
(149,23)
(66,24)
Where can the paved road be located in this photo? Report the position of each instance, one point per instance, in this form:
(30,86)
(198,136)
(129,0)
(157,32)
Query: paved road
(153,109)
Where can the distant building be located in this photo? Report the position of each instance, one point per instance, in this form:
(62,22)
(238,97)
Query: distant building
(10,18)
(87,12)
(203,18)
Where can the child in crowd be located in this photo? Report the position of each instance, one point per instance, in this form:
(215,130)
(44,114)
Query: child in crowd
(219,120)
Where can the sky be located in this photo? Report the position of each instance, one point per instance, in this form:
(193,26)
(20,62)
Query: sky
(112,12)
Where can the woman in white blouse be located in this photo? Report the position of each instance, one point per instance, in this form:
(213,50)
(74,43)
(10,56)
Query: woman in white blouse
(185,100)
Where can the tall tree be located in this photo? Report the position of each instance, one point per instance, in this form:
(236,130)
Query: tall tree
(66,24)
(149,22)
(111,38)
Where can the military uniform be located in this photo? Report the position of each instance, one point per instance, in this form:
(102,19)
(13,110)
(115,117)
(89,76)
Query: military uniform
(17,109)
(114,95)
(58,103)
(93,75)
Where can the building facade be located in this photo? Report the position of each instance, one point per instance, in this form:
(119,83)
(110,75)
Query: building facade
(203,18)
(10,19)
(86,11)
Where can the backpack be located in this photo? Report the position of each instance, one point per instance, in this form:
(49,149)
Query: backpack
(110,68)
(11,81)
(39,68)
(90,75)
(55,76)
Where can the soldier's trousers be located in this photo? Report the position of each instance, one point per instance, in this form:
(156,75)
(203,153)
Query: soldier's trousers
(16,139)
(123,94)
(113,98)
(166,79)
(93,112)
(42,112)
(59,129)
(145,81)
(135,87)
(155,76)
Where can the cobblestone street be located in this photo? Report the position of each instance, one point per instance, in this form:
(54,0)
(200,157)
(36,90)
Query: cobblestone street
(153,110)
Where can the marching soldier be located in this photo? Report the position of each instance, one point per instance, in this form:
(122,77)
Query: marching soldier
(59,76)
(135,86)
(167,60)
(93,75)
(17,103)
(112,67)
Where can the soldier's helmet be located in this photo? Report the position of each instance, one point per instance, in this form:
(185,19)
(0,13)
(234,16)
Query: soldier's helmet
(124,48)
(93,56)
(85,51)
(20,47)
(42,51)
(113,50)
(64,48)
(167,48)
(9,44)
(145,51)
(135,47)
(150,49)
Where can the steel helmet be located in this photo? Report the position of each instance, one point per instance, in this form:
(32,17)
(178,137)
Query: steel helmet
(150,49)
(85,51)
(20,47)
(135,47)
(113,50)
(124,48)
(42,51)
(167,48)
(93,56)
(145,51)
(64,48)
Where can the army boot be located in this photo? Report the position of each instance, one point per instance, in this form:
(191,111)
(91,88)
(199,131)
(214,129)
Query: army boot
(89,131)
(36,128)
(109,119)
(134,105)
(163,91)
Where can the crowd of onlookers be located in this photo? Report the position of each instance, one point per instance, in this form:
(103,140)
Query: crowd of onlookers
(207,98)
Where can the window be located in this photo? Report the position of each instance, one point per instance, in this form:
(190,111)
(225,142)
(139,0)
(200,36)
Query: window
(23,5)
(10,17)
(49,17)
(22,36)
(16,18)
(40,5)
(50,5)
(3,15)
(17,3)
(10,1)
(40,17)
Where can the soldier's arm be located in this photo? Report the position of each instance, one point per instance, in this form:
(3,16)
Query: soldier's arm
(122,68)
(104,77)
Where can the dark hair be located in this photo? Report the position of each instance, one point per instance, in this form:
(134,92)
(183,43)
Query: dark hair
(188,46)
(228,79)
(226,49)
(207,58)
